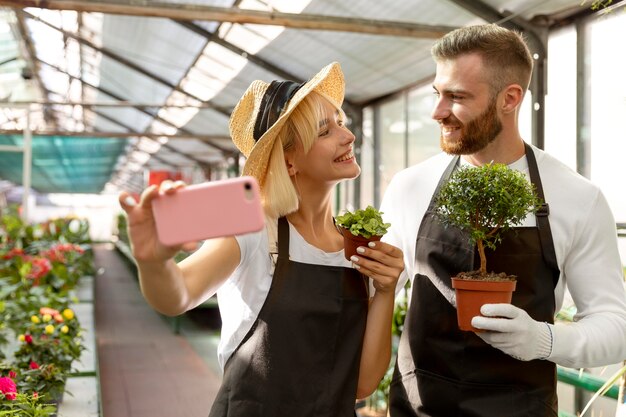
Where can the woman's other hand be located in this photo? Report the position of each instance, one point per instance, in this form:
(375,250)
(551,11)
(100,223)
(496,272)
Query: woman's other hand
(382,262)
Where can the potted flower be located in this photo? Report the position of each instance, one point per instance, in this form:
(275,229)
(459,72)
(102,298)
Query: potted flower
(484,202)
(16,402)
(360,228)
(51,337)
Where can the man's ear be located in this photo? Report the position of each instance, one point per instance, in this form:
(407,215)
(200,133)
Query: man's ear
(513,96)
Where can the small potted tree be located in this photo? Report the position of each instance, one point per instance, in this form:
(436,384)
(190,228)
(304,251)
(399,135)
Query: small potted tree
(484,202)
(360,228)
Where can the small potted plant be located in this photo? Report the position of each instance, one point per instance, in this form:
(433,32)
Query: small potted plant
(360,228)
(484,202)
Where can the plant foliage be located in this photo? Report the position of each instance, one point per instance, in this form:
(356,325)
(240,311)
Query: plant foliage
(366,223)
(485,202)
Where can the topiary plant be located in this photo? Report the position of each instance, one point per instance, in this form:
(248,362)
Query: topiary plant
(485,202)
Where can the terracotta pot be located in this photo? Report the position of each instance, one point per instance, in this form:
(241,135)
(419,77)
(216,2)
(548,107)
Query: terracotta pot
(351,242)
(471,294)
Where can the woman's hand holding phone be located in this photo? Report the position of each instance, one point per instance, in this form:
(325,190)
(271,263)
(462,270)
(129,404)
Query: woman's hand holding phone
(142,231)
(175,216)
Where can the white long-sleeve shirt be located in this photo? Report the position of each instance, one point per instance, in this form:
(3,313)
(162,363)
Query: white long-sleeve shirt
(585,241)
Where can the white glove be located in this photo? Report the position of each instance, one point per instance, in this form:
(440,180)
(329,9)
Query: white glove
(514,332)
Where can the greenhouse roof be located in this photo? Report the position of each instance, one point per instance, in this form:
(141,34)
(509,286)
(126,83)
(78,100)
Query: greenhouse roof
(115,88)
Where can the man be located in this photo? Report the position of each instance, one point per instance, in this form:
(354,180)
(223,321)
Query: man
(509,369)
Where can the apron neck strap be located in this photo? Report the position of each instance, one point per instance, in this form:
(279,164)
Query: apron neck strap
(444,177)
(541,216)
(283,238)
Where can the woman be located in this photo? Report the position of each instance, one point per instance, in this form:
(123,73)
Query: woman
(300,334)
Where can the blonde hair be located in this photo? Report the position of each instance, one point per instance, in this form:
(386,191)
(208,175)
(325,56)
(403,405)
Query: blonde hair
(505,54)
(279,196)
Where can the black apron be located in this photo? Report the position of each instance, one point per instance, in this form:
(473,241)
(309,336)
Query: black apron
(301,357)
(442,371)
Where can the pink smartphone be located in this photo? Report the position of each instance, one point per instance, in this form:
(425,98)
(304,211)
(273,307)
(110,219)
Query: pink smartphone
(211,209)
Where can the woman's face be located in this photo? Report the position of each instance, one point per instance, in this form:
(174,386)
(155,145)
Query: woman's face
(331,158)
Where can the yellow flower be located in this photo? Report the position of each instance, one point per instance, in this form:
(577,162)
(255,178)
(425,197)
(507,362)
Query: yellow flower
(21,338)
(65,329)
(49,329)
(68,314)
(46,318)
(35,319)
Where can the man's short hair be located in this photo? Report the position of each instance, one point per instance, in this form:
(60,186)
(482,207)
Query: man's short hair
(505,53)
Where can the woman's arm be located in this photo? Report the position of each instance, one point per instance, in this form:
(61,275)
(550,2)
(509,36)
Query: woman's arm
(383,263)
(170,288)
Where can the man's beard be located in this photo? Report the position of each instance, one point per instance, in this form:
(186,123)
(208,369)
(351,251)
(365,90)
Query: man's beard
(475,135)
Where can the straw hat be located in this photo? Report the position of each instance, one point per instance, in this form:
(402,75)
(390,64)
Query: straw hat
(328,82)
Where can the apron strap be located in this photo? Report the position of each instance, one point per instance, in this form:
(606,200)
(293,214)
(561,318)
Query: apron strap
(543,223)
(283,238)
(446,174)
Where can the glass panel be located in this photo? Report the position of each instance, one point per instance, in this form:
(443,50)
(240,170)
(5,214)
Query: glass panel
(560,138)
(392,141)
(525,121)
(608,107)
(423,130)
(366,159)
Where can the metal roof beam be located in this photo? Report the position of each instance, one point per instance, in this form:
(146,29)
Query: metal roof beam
(491,15)
(129,64)
(81,65)
(114,135)
(115,121)
(164,145)
(32,62)
(237,15)
(115,175)
(212,37)
(155,116)
(260,62)
(120,103)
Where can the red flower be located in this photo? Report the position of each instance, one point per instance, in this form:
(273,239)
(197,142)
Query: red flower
(28,339)
(8,388)
(12,374)
(54,255)
(33,365)
(13,253)
(40,268)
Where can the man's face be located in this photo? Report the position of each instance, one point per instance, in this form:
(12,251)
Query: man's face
(466,108)
(474,135)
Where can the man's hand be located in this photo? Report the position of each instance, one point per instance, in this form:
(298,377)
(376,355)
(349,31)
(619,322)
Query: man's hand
(514,332)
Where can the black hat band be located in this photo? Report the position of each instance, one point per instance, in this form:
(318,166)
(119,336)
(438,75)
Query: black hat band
(273,103)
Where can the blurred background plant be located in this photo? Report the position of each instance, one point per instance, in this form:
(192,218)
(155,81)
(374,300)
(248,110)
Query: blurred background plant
(40,336)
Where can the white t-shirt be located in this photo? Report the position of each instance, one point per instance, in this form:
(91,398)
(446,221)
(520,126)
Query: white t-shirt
(585,242)
(241,297)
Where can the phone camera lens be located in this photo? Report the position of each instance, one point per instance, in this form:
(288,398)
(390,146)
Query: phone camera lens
(248,186)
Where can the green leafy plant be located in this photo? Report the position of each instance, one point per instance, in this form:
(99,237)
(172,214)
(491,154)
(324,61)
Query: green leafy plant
(366,223)
(485,202)
(25,405)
